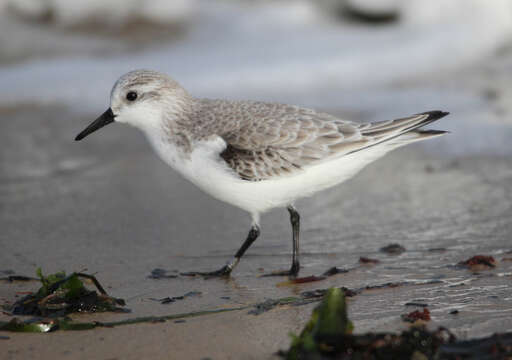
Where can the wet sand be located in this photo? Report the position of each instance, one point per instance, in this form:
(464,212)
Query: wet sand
(110,206)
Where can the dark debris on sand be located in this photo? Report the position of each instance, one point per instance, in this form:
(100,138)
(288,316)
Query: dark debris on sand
(365,260)
(169,300)
(313,278)
(61,295)
(392,249)
(13,278)
(161,274)
(416,315)
(479,262)
(334,271)
(269,304)
(413,303)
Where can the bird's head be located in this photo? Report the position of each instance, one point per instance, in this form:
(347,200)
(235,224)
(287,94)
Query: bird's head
(144,99)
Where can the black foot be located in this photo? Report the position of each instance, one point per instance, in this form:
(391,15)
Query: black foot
(224,271)
(292,273)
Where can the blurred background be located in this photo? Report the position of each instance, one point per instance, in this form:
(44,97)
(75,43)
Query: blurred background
(109,205)
(342,54)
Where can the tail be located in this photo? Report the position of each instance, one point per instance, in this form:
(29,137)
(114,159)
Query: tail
(402,131)
(414,133)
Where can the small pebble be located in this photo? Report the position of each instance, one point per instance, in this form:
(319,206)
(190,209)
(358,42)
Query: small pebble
(365,260)
(160,274)
(334,270)
(440,249)
(417,315)
(394,249)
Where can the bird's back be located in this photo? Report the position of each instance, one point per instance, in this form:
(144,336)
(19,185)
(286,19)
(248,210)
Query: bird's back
(268,140)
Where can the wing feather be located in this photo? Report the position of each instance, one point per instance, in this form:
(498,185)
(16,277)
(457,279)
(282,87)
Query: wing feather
(266,140)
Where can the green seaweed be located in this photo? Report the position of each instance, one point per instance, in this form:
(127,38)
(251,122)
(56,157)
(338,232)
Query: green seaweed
(42,325)
(39,326)
(60,295)
(332,316)
(328,323)
(47,282)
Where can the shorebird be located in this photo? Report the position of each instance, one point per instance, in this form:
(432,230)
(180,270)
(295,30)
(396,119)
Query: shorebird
(254,155)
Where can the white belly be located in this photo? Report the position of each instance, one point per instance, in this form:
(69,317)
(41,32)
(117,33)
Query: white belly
(206,169)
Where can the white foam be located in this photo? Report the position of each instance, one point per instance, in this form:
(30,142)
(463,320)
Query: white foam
(248,50)
(110,13)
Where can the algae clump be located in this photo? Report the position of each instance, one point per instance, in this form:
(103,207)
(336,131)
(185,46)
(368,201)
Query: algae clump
(329,322)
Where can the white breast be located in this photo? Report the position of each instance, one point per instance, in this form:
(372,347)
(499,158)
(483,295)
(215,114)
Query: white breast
(207,170)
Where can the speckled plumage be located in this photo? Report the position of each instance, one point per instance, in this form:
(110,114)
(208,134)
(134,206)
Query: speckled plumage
(267,140)
(254,155)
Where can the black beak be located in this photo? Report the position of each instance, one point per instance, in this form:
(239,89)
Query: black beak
(106,118)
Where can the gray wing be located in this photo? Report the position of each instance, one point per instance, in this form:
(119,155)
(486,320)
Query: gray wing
(266,140)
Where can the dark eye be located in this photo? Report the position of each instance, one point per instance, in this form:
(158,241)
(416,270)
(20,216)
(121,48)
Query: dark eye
(131,96)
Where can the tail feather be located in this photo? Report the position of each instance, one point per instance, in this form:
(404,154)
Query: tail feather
(431,117)
(402,131)
(390,127)
(416,135)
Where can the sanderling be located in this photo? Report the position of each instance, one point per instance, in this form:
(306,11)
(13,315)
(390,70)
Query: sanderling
(253,155)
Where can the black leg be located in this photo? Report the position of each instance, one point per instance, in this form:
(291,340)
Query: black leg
(251,237)
(295,221)
(294,270)
(226,269)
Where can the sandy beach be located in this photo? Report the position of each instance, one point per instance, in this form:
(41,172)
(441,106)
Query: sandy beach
(110,207)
